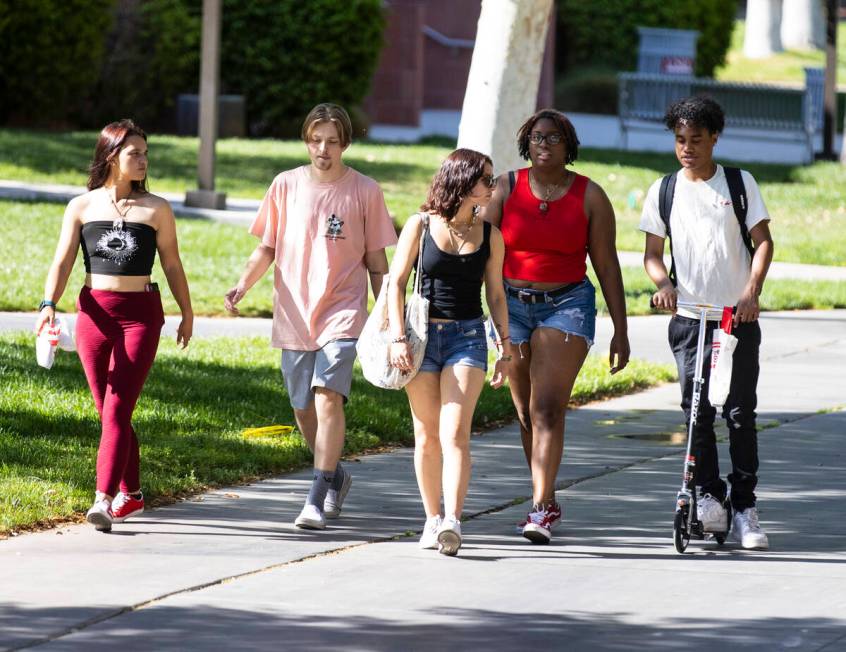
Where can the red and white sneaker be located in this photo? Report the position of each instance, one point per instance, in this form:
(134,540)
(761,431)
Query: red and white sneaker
(125,506)
(554,512)
(538,527)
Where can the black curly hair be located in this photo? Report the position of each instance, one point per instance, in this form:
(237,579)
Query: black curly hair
(699,111)
(568,131)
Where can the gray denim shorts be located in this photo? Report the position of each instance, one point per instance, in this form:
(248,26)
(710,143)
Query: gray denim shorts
(330,367)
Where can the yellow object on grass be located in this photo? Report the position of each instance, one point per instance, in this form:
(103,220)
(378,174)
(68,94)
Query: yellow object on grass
(268,431)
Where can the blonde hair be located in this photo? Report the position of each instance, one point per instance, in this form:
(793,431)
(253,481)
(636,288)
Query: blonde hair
(328,112)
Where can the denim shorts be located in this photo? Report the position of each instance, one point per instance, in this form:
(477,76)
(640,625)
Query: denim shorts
(572,313)
(459,342)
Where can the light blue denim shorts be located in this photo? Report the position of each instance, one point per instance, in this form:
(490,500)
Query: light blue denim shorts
(572,313)
(459,342)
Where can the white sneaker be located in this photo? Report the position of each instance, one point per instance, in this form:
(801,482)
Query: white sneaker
(449,536)
(747,530)
(335,498)
(429,538)
(311,518)
(712,514)
(100,515)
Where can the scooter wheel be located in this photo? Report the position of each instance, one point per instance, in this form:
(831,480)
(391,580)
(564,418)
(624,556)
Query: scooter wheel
(681,536)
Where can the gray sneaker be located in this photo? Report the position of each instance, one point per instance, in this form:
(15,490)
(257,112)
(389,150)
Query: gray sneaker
(335,498)
(747,530)
(712,514)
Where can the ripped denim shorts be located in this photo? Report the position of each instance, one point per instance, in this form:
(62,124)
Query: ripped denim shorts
(459,342)
(572,313)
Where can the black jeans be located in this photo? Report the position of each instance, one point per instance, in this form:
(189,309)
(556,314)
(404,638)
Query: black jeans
(739,410)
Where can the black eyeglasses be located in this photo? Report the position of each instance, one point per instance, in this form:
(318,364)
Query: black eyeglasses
(489,180)
(552,139)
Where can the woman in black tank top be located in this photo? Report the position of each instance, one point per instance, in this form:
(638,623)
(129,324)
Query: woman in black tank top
(460,254)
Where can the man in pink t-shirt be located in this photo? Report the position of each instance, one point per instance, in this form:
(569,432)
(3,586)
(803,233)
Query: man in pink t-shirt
(325,226)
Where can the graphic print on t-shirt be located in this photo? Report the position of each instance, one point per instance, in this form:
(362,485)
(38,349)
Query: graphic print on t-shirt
(117,245)
(333,228)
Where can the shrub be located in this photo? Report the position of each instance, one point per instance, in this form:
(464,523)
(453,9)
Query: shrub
(50,55)
(153,54)
(285,56)
(605,33)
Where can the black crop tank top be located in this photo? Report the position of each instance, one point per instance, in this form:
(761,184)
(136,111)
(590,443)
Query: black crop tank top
(118,250)
(453,282)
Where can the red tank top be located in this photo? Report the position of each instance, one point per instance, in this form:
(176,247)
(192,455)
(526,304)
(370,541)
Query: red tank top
(548,247)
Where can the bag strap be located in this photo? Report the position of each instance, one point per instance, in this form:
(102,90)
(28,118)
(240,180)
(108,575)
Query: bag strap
(424,217)
(665,207)
(511,181)
(739,202)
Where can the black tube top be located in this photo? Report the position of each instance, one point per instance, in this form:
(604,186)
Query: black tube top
(125,251)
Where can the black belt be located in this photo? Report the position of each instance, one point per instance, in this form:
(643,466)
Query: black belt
(527,295)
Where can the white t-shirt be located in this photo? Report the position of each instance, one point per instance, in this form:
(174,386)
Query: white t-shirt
(712,263)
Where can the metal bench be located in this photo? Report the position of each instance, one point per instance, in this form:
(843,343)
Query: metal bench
(787,114)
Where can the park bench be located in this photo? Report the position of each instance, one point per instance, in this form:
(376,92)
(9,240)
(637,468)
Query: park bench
(780,113)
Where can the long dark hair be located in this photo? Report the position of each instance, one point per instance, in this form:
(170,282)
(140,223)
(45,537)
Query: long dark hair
(111,141)
(454,181)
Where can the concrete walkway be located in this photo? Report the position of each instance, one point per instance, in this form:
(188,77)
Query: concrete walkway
(242,211)
(227,570)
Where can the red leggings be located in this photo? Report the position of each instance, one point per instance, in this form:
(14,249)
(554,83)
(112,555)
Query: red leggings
(117,334)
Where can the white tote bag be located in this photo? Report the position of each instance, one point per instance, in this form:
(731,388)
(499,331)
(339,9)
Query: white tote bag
(375,340)
(722,357)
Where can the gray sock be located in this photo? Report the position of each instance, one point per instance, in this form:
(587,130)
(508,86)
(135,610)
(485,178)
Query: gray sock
(319,486)
(339,477)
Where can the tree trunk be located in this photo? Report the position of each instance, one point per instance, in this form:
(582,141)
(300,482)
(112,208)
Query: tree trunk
(803,25)
(761,38)
(502,87)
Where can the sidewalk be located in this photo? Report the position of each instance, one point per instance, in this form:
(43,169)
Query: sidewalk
(227,570)
(242,211)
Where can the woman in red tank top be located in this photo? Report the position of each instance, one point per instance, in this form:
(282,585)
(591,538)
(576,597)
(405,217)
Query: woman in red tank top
(551,219)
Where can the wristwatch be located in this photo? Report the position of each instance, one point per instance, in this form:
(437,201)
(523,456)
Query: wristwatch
(46,303)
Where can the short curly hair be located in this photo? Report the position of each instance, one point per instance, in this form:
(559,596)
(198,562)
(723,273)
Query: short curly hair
(700,111)
(461,170)
(571,141)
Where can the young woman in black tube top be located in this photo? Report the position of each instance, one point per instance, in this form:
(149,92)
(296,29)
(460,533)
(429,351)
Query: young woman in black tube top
(120,226)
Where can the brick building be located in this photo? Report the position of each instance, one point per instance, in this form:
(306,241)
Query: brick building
(418,87)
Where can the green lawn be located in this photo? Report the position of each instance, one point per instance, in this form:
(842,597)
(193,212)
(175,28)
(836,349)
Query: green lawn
(785,66)
(190,431)
(807,204)
(214,254)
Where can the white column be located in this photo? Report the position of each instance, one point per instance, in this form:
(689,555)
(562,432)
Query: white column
(802,25)
(502,87)
(761,37)
(205,196)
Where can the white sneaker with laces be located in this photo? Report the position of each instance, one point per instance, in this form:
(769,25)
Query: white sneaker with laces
(712,514)
(449,536)
(311,518)
(747,530)
(100,515)
(429,538)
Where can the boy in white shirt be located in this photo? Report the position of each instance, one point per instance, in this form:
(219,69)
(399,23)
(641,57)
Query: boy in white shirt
(713,262)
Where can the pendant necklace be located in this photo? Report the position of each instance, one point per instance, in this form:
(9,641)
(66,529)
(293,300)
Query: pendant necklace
(548,191)
(118,223)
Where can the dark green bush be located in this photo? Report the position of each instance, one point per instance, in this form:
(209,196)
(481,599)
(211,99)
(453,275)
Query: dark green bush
(285,56)
(587,90)
(604,33)
(50,57)
(153,54)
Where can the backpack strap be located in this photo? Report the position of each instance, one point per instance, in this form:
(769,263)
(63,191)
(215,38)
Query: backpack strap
(740,204)
(665,207)
(512,179)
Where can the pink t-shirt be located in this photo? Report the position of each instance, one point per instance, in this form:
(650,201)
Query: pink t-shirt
(320,233)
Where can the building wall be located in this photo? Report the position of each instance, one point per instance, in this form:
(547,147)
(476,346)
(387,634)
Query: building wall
(418,73)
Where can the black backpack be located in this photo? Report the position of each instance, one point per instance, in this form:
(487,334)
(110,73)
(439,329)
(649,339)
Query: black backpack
(738,201)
